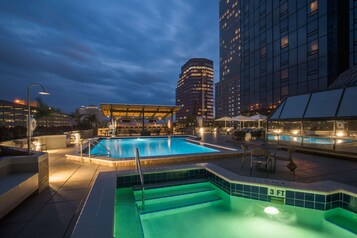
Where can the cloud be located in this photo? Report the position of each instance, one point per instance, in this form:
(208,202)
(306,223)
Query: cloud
(90,52)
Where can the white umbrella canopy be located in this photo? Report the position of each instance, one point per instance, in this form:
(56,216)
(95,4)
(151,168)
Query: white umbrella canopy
(241,118)
(225,119)
(258,117)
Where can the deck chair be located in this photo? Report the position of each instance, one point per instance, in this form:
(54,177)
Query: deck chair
(259,157)
(291,165)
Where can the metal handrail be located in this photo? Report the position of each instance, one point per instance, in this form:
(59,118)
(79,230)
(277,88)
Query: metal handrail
(138,168)
(98,143)
(91,142)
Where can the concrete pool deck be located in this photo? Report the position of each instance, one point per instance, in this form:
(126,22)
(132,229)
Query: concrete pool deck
(54,212)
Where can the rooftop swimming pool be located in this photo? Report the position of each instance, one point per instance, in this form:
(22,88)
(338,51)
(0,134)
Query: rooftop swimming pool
(203,210)
(148,147)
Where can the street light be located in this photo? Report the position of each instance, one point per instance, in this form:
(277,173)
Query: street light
(43,92)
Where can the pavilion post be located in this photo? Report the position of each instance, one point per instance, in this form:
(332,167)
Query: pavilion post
(143,122)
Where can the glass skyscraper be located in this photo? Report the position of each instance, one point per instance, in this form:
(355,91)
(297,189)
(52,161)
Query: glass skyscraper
(270,49)
(194,92)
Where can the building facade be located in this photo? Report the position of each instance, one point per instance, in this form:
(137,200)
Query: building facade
(285,48)
(14,114)
(227,97)
(194,93)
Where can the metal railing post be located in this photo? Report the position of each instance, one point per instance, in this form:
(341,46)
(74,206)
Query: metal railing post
(138,167)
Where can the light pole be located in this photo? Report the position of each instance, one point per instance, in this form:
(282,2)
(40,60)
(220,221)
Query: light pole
(29,112)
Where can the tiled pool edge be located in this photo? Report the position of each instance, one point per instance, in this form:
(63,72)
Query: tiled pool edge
(97,216)
(154,160)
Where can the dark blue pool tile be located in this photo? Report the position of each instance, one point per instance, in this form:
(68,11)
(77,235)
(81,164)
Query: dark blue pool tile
(237,193)
(320,198)
(319,206)
(255,196)
(335,197)
(255,189)
(238,187)
(263,190)
(263,197)
(346,206)
(309,204)
(247,188)
(299,195)
(290,201)
(346,198)
(309,197)
(290,194)
(299,203)
(335,204)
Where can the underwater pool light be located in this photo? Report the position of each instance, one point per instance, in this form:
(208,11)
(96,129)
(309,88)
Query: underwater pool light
(271,210)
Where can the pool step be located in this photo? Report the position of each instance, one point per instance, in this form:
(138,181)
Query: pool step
(172,191)
(170,184)
(343,219)
(174,199)
(176,206)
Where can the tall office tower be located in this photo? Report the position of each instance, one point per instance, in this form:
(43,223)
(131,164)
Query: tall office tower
(288,47)
(227,98)
(194,92)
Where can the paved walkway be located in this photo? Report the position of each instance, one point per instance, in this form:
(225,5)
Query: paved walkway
(54,212)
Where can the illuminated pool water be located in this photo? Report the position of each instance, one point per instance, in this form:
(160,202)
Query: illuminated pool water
(161,146)
(229,217)
(308,140)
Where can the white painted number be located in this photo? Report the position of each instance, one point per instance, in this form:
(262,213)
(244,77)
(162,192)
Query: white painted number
(276,192)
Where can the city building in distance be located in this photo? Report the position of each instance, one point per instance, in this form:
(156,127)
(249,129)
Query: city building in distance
(14,114)
(274,49)
(194,93)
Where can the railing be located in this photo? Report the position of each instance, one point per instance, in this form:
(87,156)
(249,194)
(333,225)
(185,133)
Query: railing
(138,168)
(92,142)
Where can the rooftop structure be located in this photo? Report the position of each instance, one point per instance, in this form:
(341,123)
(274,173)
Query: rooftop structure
(323,120)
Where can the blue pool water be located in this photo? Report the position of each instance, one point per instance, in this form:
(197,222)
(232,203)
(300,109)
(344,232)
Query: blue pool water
(307,139)
(125,148)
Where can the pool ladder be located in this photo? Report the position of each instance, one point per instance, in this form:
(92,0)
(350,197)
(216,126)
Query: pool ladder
(138,168)
(92,142)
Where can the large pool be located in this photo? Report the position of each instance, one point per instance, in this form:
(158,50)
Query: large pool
(203,210)
(148,147)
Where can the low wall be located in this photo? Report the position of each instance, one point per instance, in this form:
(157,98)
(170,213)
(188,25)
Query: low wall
(35,163)
(52,141)
(20,176)
(39,143)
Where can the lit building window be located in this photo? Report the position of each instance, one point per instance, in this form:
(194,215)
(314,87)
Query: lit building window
(284,41)
(313,7)
(314,47)
(284,74)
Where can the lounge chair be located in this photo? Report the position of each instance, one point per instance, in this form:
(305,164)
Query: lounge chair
(259,157)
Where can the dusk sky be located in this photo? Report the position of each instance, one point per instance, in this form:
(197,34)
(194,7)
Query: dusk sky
(91,52)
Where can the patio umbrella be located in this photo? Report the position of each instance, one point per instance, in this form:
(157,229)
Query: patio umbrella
(258,117)
(241,118)
(225,119)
